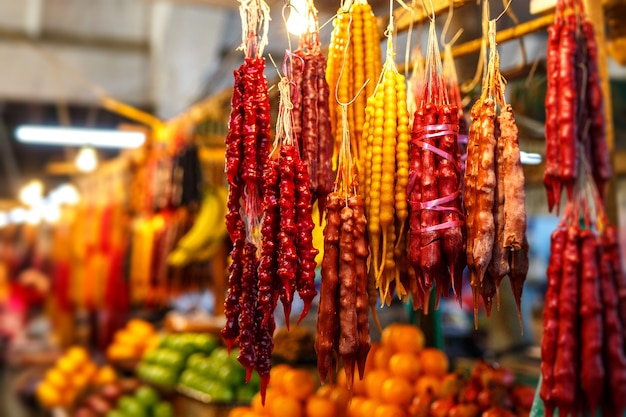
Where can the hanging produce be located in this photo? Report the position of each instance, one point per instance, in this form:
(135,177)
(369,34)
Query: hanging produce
(494,196)
(311,113)
(436,231)
(384,175)
(349,68)
(247,149)
(574,104)
(343,320)
(583,361)
(451,81)
(287,252)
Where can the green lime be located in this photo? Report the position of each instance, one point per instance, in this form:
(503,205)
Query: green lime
(147,396)
(163,409)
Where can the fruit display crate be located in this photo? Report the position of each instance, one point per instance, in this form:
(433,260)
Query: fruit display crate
(190,403)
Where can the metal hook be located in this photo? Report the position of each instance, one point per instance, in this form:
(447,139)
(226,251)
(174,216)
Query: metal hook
(505,10)
(431,16)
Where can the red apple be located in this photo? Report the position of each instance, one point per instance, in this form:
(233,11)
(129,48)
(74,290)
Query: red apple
(523,396)
(440,408)
(497,412)
(464,410)
(484,400)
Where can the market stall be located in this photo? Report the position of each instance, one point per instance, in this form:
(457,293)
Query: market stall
(356,228)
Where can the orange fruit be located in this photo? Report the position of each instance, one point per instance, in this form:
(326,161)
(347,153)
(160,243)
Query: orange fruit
(341,378)
(257,404)
(299,384)
(354,408)
(317,406)
(389,333)
(277,376)
(341,397)
(67,365)
(427,383)
(397,391)
(382,357)
(434,362)
(140,328)
(285,406)
(389,410)
(324,391)
(374,381)
(238,411)
(47,395)
(56,379)
(405,365)
(358,385)
(369,362)
(408,338)
(251,413)
(368,407)
(77,354)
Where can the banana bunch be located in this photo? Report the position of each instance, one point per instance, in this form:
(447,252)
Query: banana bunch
(207,234)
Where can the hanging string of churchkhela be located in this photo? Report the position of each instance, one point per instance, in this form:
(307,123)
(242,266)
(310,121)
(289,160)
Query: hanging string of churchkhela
(494,196)
(572,67)
(583,357)
(342,332)
(583,361)
(247,148)
(385,171)
(436,232)
(311,114)
(451,81)
(360,62)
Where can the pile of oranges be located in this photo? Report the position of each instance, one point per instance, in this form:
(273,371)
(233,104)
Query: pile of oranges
(398,370)
(402,378)
(69,376)
(133,341)
(296,392)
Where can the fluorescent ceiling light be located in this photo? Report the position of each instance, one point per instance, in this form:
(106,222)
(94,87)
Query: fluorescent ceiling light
(79,137)
(529,158)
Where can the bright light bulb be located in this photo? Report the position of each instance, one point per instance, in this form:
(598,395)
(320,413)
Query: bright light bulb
(18,215)
(86,160)
(296,23)
(64,194)
(51,213)
(32,193)
(33,217)
(4,219)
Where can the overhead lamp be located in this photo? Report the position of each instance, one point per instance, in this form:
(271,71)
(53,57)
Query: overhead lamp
(74,136)
(86,160)
(297,21)
(32,193)
(33,217)
(64,194)
(51,213)
(18,215)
